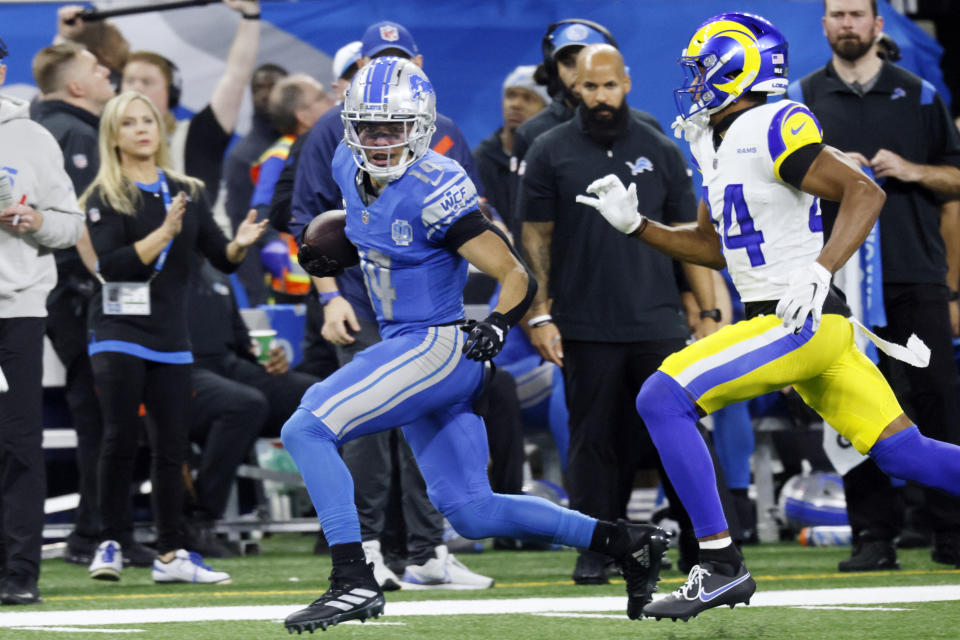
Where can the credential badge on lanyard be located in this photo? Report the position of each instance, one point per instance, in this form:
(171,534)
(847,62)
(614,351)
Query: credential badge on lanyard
(133,298)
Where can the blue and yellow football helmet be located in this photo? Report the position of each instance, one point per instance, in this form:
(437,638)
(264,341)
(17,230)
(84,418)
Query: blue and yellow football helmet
(729,55)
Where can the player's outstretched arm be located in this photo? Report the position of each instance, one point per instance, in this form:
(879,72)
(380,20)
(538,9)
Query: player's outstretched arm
(834,176)
(696,243)
(490,252)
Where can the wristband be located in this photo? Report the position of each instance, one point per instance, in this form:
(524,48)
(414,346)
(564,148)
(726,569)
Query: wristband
(953,296)
(636,233)
(251,16)
(539,321)
(711,313)
(326,296)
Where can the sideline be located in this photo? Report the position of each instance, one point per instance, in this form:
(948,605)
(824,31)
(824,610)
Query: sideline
(788,598)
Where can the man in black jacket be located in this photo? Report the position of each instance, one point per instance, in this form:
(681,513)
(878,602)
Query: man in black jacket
(895,125)
(523,98)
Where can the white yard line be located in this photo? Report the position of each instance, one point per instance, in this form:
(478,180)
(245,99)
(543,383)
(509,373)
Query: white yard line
(795,598)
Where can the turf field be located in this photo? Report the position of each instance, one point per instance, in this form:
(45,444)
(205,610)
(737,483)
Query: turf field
(800,596)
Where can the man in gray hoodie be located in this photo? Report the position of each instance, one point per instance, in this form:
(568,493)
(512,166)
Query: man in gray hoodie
(38,213)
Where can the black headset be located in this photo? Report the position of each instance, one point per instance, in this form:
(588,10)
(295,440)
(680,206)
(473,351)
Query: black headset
(546,72)
(546,46)
(3,50)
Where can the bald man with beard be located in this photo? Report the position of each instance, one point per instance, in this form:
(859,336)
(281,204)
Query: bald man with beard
(609,311)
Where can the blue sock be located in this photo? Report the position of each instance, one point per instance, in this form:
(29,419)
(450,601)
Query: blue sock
(524,517)
(671,419)
(313,447)
(909,455)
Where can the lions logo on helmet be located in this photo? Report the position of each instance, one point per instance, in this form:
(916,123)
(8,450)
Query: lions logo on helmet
(729,55)
(389,116)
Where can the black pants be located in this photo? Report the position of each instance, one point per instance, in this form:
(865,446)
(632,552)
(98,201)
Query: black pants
(370,460)
(608,440)
(23,482)
(123,382)
(928,396)
(67,329)
(235,402)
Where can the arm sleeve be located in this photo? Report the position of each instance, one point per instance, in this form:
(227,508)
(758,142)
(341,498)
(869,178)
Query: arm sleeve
(238,188)
(56,200)
(117,258)
(314,189)
(537,192)
(280,203)
(795,166)
(205,147)
(270,170)
(210,239)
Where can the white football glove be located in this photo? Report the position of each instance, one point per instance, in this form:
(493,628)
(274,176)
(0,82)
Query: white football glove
(806,292)
(616,203)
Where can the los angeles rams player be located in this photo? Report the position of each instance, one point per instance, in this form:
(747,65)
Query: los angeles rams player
(764,167)
(413,215)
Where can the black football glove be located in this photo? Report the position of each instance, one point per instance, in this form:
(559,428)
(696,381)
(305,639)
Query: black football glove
(317,264)
(486,338)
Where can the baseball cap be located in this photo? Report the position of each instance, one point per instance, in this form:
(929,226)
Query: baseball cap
(575,34)
(522,77)
(387,35)
(346,55)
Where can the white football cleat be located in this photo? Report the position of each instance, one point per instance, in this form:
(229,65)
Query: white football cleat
(386,578)
(187,566)
(444,571)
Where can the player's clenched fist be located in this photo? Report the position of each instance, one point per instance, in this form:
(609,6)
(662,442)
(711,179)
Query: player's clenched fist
(486,338)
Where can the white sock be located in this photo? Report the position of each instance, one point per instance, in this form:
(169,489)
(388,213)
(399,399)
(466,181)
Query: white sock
(720,543)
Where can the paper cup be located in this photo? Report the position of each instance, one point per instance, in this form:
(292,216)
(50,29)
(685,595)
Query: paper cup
(263,340)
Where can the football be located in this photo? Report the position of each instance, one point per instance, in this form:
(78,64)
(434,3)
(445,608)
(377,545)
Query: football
(324,248)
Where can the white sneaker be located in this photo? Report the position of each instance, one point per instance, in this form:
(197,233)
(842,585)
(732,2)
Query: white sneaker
(107,562)
(444,572)
(187,566)
(386,578)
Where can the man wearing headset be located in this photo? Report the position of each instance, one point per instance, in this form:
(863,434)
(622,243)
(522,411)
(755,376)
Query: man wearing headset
(616,310)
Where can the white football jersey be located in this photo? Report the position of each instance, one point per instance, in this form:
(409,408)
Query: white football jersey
(767,227)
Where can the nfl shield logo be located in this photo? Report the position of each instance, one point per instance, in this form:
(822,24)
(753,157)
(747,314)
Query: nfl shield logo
(389,33)
(401,232)
(94,214)
(365,216)
(80,161)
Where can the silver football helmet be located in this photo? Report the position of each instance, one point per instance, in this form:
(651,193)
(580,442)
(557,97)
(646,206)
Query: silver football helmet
(390,109)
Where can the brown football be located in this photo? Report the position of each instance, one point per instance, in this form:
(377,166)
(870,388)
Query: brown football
(326,237)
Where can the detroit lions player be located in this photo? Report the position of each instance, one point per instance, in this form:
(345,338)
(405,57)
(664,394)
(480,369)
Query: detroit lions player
(413,215)
(764,167)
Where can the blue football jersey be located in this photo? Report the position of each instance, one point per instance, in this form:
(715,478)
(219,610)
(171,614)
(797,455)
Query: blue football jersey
(413,279)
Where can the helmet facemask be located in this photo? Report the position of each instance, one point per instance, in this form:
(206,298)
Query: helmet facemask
(388,116)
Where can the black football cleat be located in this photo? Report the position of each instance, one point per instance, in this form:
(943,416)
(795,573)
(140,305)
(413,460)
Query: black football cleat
(704,589)
(640,566)
(345,600)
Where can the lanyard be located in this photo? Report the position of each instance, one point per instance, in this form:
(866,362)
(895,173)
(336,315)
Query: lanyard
(165,193)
